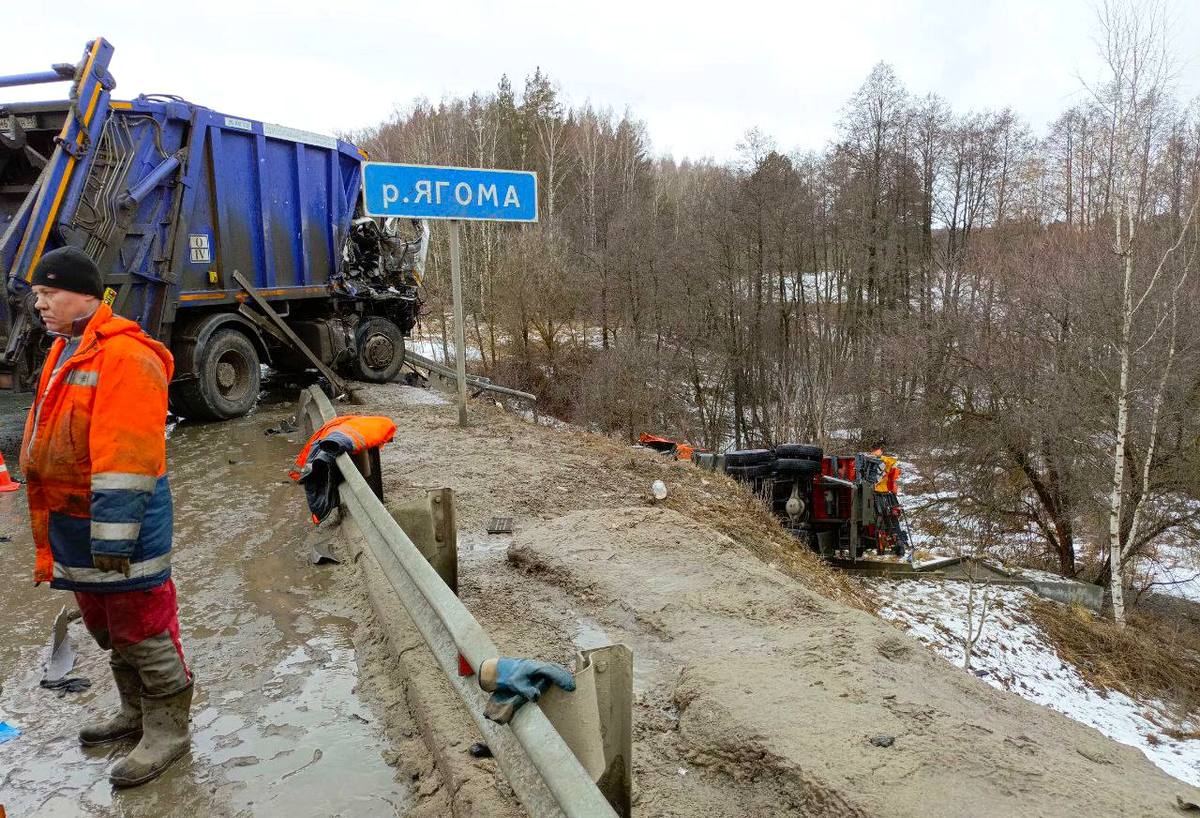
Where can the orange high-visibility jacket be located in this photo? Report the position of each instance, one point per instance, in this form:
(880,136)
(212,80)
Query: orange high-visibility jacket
(95,460)
(360,431)
(891,475)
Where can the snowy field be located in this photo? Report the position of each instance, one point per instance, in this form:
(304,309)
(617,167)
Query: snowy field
(431,347)
(940,521)
(1174,571)
(1014,654)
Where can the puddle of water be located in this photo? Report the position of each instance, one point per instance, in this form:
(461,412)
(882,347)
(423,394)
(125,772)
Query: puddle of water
(589,634)
(471,541)
(281,761)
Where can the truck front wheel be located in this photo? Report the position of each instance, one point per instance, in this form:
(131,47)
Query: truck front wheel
(226,381)
(379,350)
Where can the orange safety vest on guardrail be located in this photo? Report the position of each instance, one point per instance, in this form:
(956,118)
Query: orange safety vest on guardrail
(363,431)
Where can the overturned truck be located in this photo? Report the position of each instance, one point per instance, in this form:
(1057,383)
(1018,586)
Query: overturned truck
(171,199)
(834,503)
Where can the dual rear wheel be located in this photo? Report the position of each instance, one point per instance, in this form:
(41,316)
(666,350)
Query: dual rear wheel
(221,372)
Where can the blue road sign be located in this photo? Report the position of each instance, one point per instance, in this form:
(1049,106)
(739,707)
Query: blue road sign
(433,192)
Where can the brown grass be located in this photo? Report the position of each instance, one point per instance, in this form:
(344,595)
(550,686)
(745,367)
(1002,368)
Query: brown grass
(738,514)
(707,497)
(1154,656)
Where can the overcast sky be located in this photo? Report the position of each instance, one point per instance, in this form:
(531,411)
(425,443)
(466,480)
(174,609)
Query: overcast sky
(699,74)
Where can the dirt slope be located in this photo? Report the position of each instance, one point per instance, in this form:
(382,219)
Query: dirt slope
(755,695)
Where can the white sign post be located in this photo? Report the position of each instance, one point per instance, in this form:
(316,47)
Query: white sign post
(460,332)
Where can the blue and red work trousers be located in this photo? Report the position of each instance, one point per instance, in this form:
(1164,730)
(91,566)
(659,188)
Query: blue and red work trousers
(141,628)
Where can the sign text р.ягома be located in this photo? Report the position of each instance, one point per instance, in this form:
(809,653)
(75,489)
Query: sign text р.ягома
(434,192)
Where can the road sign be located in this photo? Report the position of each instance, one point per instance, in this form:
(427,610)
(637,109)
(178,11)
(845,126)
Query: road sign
(435,192)
(438,192)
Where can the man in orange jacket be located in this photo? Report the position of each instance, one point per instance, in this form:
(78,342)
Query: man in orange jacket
(94,458)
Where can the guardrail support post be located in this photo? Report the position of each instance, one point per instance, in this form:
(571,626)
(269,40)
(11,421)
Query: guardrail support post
(368,466)
(596,721)
(430,523)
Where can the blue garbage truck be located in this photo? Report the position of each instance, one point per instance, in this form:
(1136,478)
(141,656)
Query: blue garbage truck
(171,199)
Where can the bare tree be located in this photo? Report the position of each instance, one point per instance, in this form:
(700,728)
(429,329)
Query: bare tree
(1134,47)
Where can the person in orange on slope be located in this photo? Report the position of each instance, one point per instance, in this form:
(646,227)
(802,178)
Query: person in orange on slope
(887,501)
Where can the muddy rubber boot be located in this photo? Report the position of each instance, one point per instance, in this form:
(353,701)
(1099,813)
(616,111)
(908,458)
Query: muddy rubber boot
(165,737)
(128,721)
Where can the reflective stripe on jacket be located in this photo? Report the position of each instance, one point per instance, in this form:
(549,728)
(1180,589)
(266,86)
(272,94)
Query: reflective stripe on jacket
(95,461)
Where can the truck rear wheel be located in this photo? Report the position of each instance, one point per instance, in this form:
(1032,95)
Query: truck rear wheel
(379,350)
(799,451)
(226,381)
(748,457)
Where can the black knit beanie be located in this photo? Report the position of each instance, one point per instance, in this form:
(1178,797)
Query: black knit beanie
(69,268)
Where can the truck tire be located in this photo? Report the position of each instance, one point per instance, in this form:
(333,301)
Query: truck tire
(379,350)
(748,473)
(799,451)
(226,381)
(796,467)
(748,457)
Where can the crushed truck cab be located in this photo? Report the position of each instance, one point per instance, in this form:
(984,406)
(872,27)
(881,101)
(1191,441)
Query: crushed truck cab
(170,198)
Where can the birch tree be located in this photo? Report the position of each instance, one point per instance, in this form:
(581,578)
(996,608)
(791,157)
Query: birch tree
(1138,65)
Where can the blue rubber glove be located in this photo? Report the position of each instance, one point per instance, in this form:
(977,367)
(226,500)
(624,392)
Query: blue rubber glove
(512,682)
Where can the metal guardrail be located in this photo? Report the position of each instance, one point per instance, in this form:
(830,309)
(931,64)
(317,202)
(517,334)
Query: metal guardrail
(543,772)
(473,381)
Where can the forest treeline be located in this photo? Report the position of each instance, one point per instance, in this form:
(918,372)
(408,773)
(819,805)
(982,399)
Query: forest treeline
(1022,302)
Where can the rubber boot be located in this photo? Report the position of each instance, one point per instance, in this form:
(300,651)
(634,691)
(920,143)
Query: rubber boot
(165,737)
(128,721)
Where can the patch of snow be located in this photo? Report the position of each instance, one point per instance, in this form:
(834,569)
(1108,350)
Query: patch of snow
(1014,654)
(431,347)
(528,415)
(420,397)
(1034,574)
(1175,570)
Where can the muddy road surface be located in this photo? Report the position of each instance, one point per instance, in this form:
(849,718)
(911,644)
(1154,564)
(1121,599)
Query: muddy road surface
(282,722)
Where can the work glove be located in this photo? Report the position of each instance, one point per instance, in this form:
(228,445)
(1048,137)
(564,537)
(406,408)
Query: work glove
(108,562)
(512,682)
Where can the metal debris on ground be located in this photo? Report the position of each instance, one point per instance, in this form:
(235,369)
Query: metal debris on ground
(70,684)
(285,427)
(883,741)
(62,653)
(321,554)
(480,750)
(500,525)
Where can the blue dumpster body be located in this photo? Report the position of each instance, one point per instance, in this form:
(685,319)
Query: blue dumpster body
(170,198)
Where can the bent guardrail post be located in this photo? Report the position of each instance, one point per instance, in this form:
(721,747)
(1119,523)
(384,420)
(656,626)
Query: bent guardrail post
(596,720)
(546,776)
(475,381)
